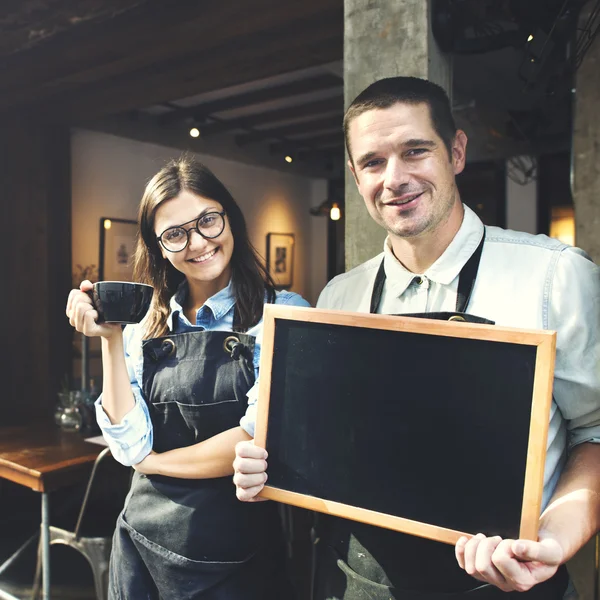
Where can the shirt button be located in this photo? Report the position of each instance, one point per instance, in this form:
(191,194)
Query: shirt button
(418,280)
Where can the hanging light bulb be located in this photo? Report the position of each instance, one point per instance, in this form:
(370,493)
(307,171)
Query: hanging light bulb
(335,213)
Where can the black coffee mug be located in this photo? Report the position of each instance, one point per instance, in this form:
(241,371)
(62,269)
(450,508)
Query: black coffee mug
(121,301)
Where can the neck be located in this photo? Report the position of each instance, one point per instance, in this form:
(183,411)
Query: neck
(200,291)
(418,253)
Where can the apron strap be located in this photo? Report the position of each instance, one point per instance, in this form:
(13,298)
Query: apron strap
(466,281)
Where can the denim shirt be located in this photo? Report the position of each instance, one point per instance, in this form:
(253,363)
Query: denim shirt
(525,281)
(131,439)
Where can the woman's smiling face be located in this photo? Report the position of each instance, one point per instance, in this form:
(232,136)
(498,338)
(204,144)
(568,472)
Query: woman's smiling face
(202,261)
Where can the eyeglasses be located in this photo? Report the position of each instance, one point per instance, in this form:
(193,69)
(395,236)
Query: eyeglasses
(209,226)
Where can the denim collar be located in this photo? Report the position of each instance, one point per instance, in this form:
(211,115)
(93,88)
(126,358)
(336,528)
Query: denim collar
(219,304)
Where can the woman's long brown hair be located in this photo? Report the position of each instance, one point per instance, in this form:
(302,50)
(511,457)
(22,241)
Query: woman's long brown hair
(250,280)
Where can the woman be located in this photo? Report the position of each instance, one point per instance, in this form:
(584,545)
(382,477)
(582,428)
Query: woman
(176,384)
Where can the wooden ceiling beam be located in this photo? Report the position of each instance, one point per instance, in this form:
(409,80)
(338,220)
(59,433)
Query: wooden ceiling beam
(26,23)
(251,59)
(329,105)
(325,140)
(318,125)
(295,88)
(150,33)
(230,62)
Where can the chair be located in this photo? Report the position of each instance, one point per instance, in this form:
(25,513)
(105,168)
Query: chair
(95,549)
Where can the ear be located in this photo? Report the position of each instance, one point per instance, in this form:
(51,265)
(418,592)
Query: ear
(459,151)
(353,171)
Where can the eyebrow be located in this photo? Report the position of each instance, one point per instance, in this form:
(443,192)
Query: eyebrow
(204,212)
(412,143)
(417,142)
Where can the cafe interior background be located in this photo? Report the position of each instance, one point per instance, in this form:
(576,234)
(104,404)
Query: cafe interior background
(96,96)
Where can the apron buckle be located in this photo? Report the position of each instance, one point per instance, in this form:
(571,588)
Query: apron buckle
(233,346)
(168,347)
(456,318)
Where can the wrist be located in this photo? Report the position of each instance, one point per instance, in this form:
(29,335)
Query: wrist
(113,340)
(152,463)
(549,537)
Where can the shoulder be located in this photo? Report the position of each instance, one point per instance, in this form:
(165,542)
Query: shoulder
(290,298)
(365,270)
(496,236)
(549,250)
(133,336)
(346,290)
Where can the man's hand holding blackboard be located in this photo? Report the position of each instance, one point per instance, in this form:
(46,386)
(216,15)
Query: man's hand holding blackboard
(511,565)
(249,466)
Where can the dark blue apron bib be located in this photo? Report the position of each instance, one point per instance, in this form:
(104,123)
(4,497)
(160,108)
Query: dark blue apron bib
(192,539)
(355,561)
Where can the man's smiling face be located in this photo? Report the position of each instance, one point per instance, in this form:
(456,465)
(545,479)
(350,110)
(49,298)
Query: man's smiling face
(403,170)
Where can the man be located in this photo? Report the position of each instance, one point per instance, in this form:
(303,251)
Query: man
(405,152)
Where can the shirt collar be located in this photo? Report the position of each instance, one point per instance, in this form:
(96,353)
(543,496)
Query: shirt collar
(447,267)
(219,304)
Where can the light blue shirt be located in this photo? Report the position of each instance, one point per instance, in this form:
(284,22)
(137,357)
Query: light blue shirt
(131,439)
(526,281)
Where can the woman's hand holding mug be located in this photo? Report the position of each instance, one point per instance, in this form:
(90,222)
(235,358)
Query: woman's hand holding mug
(83,315)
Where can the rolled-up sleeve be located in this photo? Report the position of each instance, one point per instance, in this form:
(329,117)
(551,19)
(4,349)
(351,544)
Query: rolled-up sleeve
(130,441)
(574,312)
(248,421)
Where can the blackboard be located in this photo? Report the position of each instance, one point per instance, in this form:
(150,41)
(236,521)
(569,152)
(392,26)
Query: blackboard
(432,428)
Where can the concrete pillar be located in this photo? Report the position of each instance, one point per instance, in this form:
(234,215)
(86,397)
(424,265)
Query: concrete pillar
(521,203)
(383,38)
(586,150)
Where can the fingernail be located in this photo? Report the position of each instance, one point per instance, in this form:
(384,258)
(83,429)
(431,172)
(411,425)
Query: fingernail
(520,548)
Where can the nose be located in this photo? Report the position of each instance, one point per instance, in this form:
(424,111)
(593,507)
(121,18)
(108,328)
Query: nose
(196,240)
(396,174)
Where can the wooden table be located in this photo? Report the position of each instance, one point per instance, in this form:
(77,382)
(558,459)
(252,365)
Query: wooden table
(43,458)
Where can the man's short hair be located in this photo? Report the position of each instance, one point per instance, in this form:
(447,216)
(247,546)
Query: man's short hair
(384,93)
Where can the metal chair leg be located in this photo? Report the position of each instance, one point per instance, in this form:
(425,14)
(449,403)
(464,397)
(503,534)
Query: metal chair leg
(35,592)
(95,550)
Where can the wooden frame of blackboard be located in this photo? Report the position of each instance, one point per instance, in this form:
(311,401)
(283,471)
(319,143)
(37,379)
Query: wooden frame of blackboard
(545,343)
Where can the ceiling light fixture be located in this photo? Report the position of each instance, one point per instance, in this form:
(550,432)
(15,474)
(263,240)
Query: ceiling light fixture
(288,158)
(195,132)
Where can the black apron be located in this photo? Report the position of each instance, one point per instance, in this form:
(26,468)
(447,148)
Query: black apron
(355,561)
(192,539)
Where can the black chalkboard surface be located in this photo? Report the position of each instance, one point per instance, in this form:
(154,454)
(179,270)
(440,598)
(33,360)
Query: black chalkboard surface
(427,427)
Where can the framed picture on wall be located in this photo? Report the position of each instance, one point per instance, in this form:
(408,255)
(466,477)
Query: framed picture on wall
(280,258)
(117,244)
